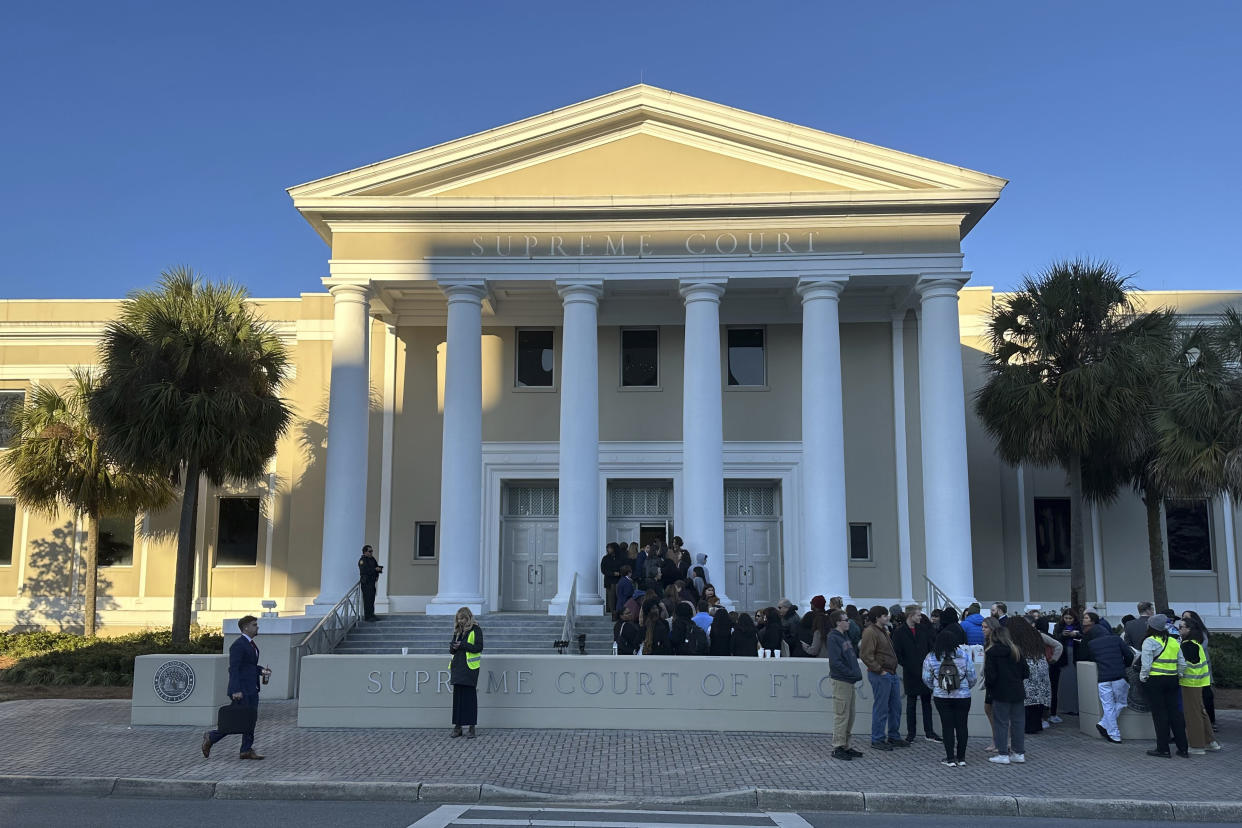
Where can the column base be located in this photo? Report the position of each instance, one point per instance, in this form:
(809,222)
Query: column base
(586,606)
(1234,610)
(449,604)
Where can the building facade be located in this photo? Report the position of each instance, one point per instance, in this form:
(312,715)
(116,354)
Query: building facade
(638,316)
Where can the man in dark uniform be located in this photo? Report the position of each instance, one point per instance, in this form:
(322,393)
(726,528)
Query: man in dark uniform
(368,573)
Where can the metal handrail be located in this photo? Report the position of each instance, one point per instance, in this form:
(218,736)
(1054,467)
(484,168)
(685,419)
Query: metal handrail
(571,613)
(937,598)
(330,630)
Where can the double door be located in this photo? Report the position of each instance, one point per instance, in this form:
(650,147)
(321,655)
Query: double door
(752,562)
(528,571)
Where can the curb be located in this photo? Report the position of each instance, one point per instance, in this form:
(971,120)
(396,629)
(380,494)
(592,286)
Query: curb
(749,798)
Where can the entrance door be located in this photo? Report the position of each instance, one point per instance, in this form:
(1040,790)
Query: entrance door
(752,567)
(528,536)
(639,511)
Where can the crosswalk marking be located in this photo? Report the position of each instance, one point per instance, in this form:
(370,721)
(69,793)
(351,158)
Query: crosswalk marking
(500,816)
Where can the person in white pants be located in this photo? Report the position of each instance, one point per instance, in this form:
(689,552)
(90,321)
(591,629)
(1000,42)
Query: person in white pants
(1111,656)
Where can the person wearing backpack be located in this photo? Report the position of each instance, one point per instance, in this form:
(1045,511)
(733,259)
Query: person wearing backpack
(950,673)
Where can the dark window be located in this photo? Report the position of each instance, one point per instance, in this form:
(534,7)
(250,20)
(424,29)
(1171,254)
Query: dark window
(116,541)
(10,402)
(860,541)
(1052,533)
(640,359)
(424,541)
(746,366)
(535,359)
(1190,535)
(8,527)
(237,536)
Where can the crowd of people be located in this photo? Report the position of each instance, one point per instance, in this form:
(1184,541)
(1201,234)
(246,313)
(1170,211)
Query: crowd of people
(663,603)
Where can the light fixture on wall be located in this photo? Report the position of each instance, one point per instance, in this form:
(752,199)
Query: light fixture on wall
(269,608)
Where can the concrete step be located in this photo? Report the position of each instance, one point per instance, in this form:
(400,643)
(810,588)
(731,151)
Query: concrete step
(517,633)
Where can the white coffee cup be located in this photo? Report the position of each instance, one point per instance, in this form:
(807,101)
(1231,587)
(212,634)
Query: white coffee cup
(405,651)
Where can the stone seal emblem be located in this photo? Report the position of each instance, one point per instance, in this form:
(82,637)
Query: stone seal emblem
(174,681)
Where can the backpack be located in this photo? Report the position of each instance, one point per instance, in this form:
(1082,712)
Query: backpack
(948,677)
(697,641)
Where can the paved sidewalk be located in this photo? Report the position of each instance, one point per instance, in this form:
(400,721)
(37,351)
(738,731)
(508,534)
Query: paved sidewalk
(71,738)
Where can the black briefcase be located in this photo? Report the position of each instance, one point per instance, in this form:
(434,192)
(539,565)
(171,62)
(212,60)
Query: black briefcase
(236,717)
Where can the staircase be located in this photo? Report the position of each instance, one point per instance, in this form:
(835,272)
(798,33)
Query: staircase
(506,632)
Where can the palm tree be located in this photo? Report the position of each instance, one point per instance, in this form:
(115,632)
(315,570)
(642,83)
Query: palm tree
(57,462)
(1064,379)
(191,375)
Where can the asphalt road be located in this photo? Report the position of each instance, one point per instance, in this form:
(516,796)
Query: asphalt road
(118,812)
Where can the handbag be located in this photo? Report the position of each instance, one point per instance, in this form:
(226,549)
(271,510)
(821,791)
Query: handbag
(236,717)
(1136,699)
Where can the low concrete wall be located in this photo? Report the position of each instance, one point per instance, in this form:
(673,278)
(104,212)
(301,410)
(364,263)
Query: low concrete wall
(277,640)
(1133,725)
(608,692)
(179,689)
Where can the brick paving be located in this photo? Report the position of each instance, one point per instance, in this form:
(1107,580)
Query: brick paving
(94,738)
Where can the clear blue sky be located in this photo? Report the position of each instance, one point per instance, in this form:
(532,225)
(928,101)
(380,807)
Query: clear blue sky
(138,136)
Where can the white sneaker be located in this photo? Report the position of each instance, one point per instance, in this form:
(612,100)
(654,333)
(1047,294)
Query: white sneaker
(1002,759)
(1017,758)
(1044,725)
(1214,745)
(1197,751)
(1055,719)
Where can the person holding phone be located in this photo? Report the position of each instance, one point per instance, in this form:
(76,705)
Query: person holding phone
(368,575)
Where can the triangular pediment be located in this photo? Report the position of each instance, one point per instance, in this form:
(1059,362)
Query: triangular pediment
(642,146)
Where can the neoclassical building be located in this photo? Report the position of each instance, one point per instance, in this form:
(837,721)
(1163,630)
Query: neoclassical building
(637,316)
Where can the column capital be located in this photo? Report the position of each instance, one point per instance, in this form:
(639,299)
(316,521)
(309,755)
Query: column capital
(821,287)
(464,290)
(702,289)
(937,285)
(580,290)
(351,292)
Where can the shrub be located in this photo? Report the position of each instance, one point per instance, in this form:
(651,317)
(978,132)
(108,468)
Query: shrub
(65,659)
(1225,651)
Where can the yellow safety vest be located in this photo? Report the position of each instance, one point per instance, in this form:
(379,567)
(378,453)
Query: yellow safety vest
(1165,664)
(1197,675)
(472,659)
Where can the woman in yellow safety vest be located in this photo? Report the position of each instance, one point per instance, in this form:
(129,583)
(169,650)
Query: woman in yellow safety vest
(464,671)
(1195,680)
(1162,664)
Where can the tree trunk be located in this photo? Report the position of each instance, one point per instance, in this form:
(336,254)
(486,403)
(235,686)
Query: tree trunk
(92,575)
(1078,561)
(1155,549)
(183,587)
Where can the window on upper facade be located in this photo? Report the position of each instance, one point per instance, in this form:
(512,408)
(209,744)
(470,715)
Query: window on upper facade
(1188,526)
(116,540)
(860,541)
(1052,533)
(237,533)
(424,541)
(746,358)
(535,359)
(640,358)
(8,531)
(10,402)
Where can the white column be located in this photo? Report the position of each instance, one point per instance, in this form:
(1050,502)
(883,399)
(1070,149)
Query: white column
(1097,558)
(1024,548)
(461,458)
(578,540)
(900,450)
(942,415)
(825,531)
(1231,555)
(383,547)
(702,428)
(345,483)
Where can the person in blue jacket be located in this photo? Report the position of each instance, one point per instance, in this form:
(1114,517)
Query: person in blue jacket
(972,624)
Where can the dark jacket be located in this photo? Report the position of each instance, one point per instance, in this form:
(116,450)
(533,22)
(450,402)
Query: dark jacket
(628,637)
(625,591)
(842,658)
(1108,651)
(1136,631)
(459,673)
(771,635)
(659,640)
(668,572)
(610,567)
(1070,643)
(911,647)
(720,635)
(744,643)
(791,627)
(368,570)
(1003,677)
(243,667)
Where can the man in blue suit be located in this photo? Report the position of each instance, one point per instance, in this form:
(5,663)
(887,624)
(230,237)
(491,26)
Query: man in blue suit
(245,673)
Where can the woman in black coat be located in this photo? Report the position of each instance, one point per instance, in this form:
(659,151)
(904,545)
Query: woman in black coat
(744,642)
(466,646)
(656,638)
(771,632)
(720,634)
(626,634)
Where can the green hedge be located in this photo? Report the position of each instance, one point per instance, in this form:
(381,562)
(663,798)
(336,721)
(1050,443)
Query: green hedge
(63,659)
(1225,652)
